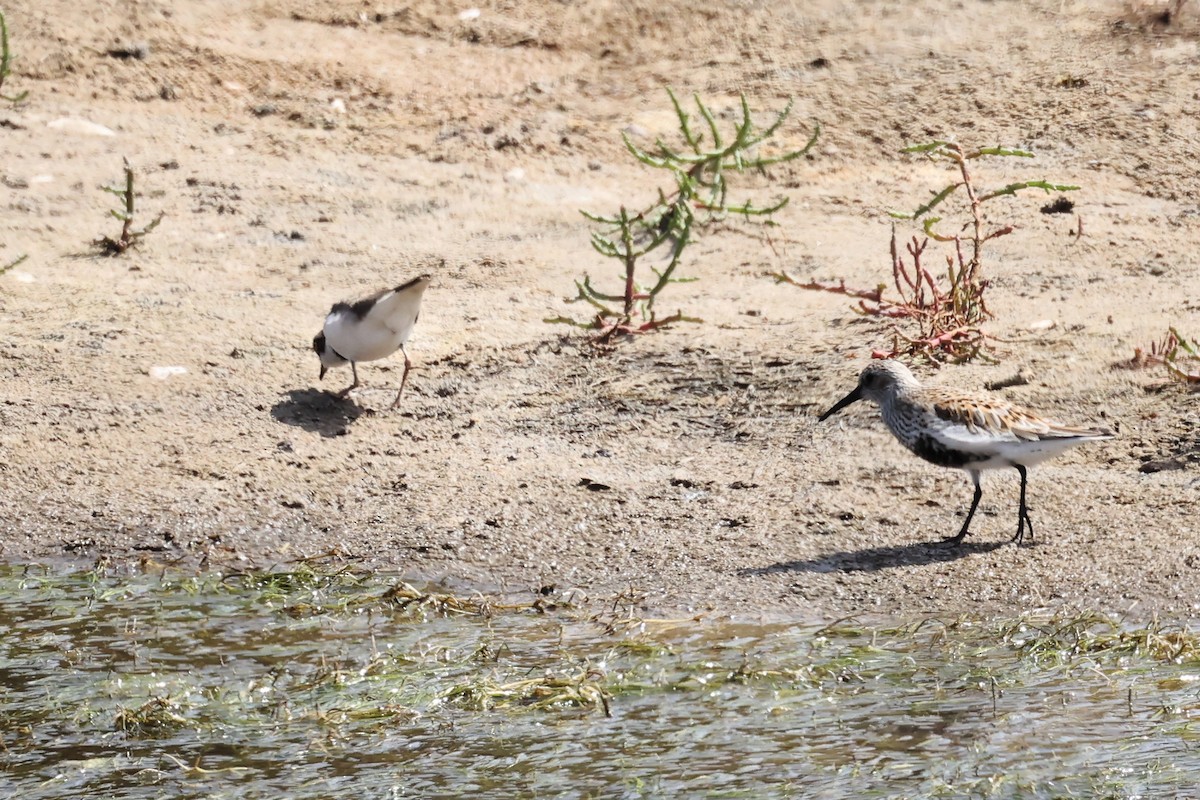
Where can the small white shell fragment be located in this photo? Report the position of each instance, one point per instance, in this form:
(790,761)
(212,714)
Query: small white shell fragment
(515,175)
(469,14)
(338,104)
(23,277)
(162,373)
(75,125)
(1042,325)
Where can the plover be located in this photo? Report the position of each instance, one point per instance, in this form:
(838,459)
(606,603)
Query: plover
(369,329)
(969,432)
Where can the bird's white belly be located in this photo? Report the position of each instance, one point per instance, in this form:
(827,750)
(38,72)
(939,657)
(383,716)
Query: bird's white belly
(983,449)
(360,340)
(1005,454)
(1027,453)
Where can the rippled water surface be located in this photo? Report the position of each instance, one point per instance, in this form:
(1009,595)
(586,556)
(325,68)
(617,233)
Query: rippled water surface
(309,685)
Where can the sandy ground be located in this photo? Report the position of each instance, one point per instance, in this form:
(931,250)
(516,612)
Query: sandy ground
(305,152)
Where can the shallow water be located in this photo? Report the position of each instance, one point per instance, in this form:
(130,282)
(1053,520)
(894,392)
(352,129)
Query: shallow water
(310,685)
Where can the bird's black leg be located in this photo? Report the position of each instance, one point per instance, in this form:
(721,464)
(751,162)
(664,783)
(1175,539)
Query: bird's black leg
(346,392)
(974,505)
(403,378)
(1023,520)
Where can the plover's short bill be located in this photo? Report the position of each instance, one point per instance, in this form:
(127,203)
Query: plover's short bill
(971,433)
(370,329)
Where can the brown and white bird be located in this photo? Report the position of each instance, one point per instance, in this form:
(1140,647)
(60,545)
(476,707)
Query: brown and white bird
(370,329)
(969,432)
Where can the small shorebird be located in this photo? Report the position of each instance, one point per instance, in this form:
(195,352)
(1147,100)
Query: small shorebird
(968,432)
(370,329)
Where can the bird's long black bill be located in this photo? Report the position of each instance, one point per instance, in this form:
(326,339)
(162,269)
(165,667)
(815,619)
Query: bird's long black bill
(324,369)
(853,397)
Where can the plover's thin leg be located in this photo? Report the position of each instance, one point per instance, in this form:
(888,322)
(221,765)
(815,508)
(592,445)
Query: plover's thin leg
(346,392)
(1023,519)
(970,514)
(403,378)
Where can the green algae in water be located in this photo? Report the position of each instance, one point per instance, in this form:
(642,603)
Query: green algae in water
(317,684)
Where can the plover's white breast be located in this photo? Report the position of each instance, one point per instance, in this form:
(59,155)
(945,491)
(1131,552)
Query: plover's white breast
(376,326)
(363,339)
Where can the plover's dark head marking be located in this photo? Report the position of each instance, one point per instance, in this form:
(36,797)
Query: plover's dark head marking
(319,346)
(329,357)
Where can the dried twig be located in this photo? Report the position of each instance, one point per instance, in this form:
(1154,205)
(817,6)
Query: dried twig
(1180,357)
(1183,360)
(1155,353)
(6,267)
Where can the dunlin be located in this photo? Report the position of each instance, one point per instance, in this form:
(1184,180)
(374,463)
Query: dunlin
(369,329)
(968,432)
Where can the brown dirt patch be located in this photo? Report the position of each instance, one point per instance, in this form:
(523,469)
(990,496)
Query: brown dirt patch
(688,464)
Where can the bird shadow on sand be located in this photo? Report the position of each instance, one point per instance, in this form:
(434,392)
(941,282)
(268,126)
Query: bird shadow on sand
(317,412)
(873,559)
